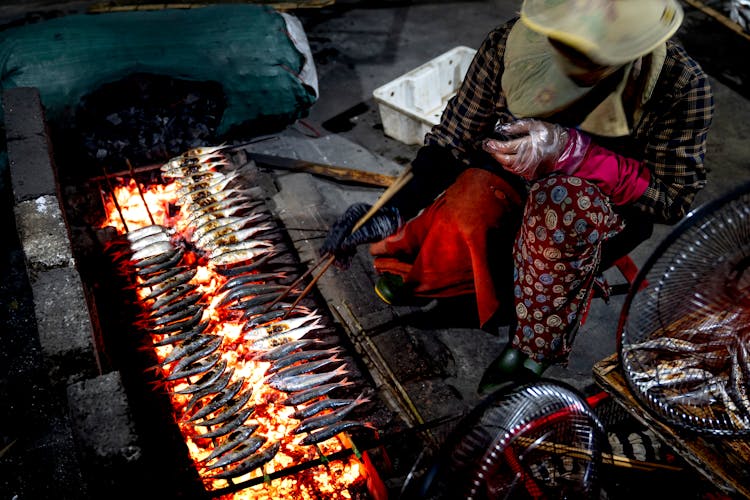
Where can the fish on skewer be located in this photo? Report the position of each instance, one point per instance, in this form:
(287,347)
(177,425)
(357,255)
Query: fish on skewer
(235,406)
(207,379)
(326,433)
(229,234)
(328,419)
(301,368)
(301,356)
(160,277)
(283,350)
(145,241)
(307,381)
(152,250)
(218,401)
(171,283)
(191,347)
(281,326)
(198,367)
(231,441)
(217,209)
(185,313)
(200,204)
(158,261)
(229,257)
(324,404)
(229,424)
(283,337)
(251,463)
(143,231)
(170,338)
(213,183)
(303,396)
(226,208)
(219,385)
(244,450)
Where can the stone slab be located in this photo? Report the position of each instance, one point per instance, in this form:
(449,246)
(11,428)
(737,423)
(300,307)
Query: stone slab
(43,235)
(106,434)
(23,113)
(101,418)
(29,150)
(65,329)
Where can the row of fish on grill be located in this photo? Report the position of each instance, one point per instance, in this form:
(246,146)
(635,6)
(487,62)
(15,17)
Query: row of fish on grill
(234,233)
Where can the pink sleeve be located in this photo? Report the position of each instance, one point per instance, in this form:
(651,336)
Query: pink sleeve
(623,179)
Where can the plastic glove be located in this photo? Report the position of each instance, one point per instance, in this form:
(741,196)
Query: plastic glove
(342,243)
(540,148)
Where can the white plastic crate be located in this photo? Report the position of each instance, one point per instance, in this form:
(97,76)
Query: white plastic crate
(412,103)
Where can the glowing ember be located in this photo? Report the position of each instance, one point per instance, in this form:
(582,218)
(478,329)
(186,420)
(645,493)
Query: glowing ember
(332,480)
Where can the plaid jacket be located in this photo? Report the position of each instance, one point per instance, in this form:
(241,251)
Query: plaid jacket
(670,136)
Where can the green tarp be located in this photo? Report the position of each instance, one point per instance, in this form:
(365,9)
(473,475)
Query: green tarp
(246,48)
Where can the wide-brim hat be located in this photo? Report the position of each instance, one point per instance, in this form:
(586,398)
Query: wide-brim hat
(609,32)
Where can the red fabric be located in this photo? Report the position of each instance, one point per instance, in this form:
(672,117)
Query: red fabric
(445,250)
(623,179)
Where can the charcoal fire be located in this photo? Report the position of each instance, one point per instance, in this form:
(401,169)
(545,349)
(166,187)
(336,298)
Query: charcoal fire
(251,374)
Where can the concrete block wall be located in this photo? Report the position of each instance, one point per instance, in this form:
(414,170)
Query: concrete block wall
(66,334)
(91,442)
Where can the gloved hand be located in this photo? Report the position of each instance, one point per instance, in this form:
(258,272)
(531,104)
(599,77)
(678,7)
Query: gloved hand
(342,243)
(538,148)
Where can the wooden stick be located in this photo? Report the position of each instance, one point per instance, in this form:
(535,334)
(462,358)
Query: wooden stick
(294,284)
(608,458)
(329,260)
(320,169)
(399,183)
(718,16)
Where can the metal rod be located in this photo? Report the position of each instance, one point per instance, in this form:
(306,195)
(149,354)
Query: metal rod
(114,199)
(140,191)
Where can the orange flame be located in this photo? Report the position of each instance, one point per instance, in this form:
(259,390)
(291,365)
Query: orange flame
(333,480)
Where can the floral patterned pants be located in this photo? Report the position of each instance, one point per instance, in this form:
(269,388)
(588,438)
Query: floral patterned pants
(557,253)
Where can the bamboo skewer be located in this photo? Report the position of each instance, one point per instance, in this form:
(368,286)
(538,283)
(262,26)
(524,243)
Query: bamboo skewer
(607,458)
(326,262)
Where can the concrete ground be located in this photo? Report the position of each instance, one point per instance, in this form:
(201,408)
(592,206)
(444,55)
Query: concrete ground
(430,353)
(358,48)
